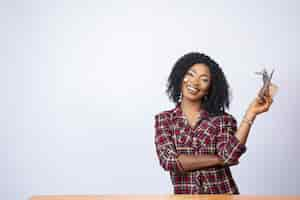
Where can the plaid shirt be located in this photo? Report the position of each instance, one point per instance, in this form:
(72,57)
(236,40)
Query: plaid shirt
(211,135)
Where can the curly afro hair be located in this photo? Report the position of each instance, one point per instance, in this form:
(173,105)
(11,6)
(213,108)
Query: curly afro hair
(218,95)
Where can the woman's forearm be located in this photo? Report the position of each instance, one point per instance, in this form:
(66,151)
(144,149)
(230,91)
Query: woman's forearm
(256,107)
(244,128)
(193,162)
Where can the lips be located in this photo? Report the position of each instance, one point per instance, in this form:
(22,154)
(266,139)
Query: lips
(191,89)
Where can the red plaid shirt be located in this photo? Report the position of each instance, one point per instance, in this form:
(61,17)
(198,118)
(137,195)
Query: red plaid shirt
(211,135)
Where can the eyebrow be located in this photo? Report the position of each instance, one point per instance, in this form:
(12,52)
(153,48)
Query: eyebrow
(200,75)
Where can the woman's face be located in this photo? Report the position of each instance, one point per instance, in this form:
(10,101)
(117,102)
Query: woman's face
(196,82)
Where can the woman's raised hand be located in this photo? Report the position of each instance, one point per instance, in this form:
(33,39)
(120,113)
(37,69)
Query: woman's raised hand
(261,105)
(258,105)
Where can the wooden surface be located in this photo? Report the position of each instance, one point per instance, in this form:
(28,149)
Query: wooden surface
(162,197)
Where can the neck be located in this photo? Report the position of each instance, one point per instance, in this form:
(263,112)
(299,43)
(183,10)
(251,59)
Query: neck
(190,106)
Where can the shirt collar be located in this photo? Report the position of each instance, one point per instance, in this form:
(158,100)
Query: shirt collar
(177,113)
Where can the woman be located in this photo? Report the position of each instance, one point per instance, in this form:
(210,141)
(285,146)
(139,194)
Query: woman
(197,141)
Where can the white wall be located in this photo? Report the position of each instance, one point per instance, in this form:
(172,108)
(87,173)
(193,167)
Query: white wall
(81,81)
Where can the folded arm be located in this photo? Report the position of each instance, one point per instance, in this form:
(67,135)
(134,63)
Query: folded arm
(229,147)
(168,157)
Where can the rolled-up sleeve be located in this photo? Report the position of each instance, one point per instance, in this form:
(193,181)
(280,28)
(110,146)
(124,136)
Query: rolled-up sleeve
(228,146)
(165,148)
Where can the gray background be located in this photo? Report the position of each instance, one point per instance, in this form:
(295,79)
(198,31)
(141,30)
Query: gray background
(81,82)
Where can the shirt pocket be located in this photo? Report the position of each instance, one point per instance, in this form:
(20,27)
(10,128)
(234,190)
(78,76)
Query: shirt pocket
(183,142)
(204,141)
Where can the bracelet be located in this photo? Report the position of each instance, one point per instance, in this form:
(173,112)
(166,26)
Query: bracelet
(247,121)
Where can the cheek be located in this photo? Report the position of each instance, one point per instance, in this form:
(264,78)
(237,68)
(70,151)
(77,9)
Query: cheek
(206,88)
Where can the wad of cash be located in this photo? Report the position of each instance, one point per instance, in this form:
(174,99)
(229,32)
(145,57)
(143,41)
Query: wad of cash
(268,88)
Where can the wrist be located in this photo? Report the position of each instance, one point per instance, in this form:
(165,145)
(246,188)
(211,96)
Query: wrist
(250,115)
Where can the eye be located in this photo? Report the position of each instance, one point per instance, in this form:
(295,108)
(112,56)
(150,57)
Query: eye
(205,80)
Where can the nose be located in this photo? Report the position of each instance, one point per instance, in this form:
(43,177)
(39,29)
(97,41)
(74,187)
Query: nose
(194,82)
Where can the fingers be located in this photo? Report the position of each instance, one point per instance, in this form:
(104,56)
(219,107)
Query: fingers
(260,100)
(262,104)
(271,100)
(234,163)
(268,101)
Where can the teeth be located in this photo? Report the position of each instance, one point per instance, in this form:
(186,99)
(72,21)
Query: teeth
(191,89)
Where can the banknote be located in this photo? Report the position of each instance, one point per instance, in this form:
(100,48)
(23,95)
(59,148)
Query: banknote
(268,88)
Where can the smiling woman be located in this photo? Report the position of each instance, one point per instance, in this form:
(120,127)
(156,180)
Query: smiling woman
(196,81)
(197,141)
(200,70)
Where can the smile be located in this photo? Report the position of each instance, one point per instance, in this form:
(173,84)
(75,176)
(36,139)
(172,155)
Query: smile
(192,90)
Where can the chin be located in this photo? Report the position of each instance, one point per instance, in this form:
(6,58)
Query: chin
(192,97)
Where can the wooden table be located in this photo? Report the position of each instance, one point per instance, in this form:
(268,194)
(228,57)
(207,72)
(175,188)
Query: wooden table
(162,197)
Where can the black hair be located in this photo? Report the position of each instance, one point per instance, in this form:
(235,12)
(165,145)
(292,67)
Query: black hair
(218,96)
